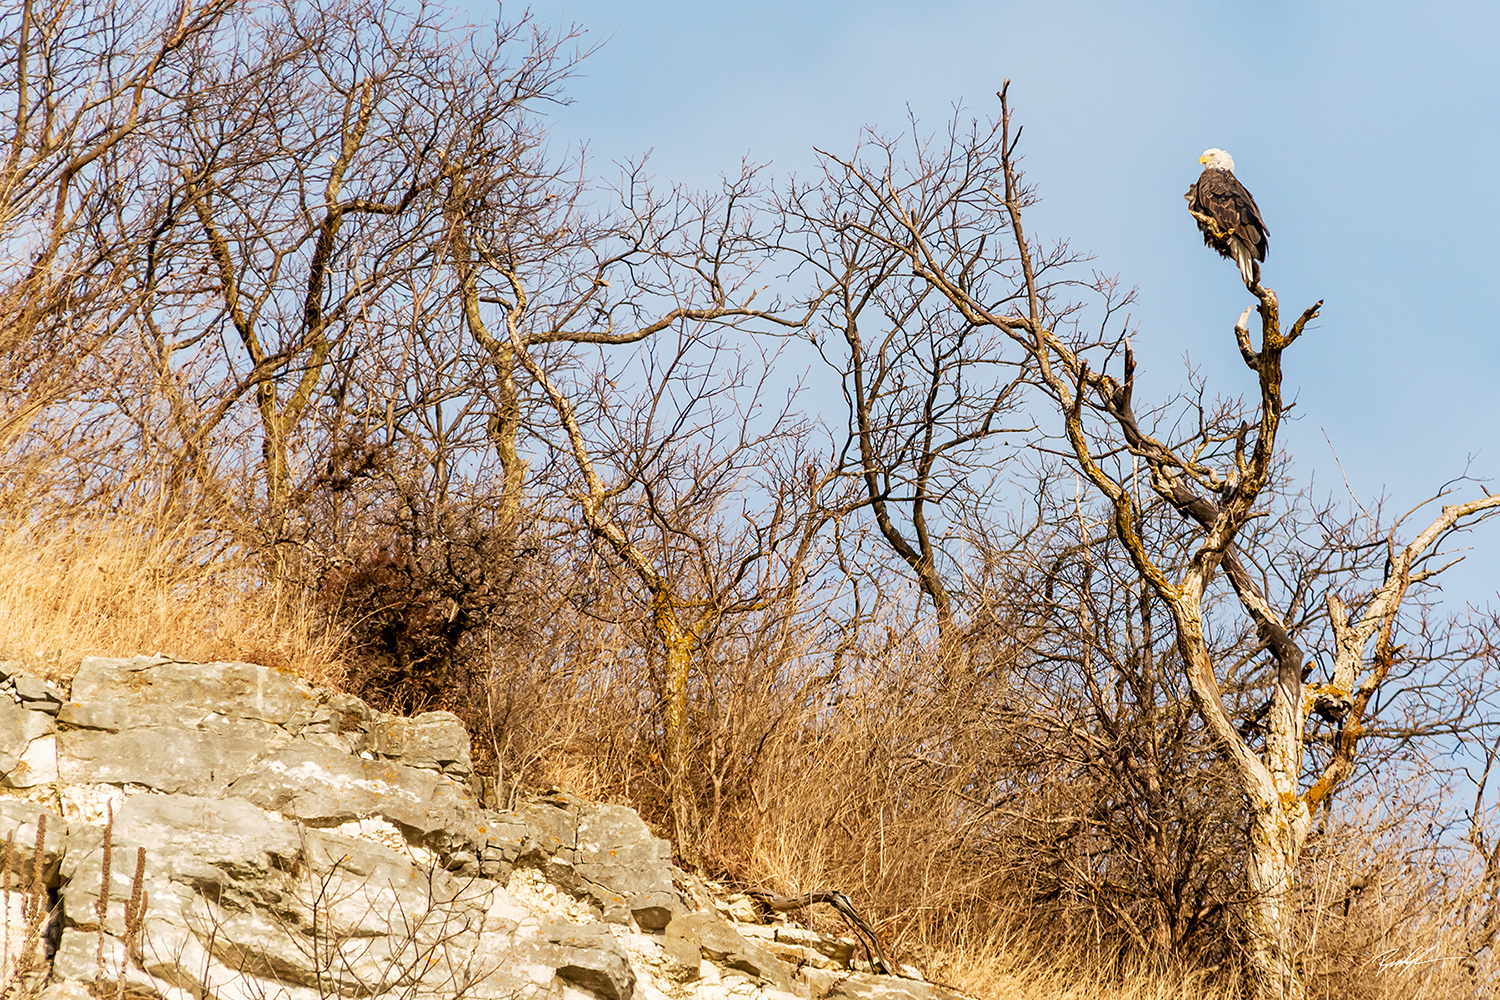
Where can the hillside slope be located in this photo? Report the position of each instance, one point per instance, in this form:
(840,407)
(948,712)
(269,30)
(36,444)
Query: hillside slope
(184,830)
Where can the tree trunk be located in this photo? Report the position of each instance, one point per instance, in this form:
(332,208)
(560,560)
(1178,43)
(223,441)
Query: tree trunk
(504,427)
(276,470)
(1278,828)
(504,432)
(1274,838)
(1279,818)
(678,644)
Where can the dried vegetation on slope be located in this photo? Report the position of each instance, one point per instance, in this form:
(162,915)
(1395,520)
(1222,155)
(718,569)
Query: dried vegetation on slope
(318,355)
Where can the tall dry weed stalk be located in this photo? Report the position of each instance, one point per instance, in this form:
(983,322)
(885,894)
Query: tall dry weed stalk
(26,910)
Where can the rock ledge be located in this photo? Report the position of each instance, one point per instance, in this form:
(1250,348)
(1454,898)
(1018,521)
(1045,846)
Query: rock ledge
(299,844)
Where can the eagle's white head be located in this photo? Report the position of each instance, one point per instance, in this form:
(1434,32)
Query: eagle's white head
(1217,159)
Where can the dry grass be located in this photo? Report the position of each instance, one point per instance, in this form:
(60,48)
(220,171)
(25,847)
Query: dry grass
(873,792)
(1015,970)
(1387,914)
(870,791)
(872,785)
(144,580)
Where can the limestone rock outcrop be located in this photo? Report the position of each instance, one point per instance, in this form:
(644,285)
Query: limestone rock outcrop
(186,830)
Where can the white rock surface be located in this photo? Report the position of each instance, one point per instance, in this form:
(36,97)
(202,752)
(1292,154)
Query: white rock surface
(299,844)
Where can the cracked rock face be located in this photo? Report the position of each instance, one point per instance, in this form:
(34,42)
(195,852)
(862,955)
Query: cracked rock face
(226,829)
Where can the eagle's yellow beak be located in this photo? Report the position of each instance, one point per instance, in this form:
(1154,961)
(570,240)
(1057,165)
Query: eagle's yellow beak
(1202,159)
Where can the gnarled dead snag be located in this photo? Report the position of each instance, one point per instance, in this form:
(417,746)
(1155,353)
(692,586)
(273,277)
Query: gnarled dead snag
(1217,477)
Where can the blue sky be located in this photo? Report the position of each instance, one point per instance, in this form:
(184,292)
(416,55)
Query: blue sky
(1369,133)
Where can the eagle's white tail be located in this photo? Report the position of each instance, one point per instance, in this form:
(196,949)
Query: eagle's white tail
(1244,260)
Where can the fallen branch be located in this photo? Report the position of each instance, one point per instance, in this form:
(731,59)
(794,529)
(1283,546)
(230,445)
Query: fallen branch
(866,934)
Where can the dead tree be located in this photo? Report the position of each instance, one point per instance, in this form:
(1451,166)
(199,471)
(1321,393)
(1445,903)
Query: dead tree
(1215,476)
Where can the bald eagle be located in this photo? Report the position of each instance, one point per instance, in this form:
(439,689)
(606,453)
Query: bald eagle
(1227,214)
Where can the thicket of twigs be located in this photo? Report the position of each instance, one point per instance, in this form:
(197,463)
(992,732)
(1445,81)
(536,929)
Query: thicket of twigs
(317,355)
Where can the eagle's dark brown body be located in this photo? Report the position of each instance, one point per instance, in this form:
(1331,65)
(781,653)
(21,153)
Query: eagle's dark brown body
(1228,215)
